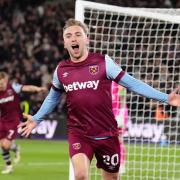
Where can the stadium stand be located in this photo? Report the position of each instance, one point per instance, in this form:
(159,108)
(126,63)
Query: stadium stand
(31,37)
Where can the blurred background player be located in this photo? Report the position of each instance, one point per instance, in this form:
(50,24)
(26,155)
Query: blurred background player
(10,116)
(120,111)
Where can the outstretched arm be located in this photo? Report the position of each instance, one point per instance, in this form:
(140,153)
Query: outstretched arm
(142,88)
(46,108)
(48,105)
(145,90)
(114,72)
(32,88)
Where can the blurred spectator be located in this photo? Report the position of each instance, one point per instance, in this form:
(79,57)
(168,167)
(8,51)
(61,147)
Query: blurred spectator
(31,41)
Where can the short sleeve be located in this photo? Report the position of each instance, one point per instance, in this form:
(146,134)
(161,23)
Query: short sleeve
(17,87)
(113,70)
(56,85)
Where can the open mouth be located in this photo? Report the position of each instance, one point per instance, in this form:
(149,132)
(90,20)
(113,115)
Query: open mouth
(75,47)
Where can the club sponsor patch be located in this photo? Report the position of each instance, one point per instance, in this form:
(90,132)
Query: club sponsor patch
(81,85)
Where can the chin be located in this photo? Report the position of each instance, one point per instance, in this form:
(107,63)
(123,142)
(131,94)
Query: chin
(77,56)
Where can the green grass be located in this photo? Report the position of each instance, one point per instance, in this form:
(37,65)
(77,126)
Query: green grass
(154,162)
(48,160)
(41,160)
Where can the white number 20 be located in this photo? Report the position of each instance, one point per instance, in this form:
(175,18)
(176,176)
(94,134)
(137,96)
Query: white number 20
(111,160)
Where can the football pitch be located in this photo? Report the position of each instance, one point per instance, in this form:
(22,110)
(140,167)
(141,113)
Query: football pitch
(48,160)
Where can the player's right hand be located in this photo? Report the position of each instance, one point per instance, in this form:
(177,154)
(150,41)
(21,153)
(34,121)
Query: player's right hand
(28,126)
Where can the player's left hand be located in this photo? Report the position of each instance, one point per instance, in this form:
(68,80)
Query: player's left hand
(174,97)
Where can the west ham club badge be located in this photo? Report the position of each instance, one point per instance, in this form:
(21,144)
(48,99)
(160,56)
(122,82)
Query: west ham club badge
(94,69)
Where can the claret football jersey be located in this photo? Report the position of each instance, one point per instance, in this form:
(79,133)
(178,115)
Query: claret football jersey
(89,99)
(88,88)
(10,103)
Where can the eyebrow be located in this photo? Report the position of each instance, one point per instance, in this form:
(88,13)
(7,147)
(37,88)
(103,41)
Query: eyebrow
(67,34)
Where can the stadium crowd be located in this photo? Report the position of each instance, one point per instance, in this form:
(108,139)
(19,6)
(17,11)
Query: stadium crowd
(31,37)
(31,42)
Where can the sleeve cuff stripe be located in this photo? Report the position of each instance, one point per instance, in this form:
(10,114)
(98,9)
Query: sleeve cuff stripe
(119,76)
(55,88)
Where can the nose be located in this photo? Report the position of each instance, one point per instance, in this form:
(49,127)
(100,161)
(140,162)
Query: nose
(73,38)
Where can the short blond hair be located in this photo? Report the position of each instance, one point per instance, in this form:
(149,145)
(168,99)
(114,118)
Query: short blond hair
(3,75)
(73,22)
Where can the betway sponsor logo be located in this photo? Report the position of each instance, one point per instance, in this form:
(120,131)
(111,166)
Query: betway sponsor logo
(81,85)
(150,131)
(7,99)
(46,128)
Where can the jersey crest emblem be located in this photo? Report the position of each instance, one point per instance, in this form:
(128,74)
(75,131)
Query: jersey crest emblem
(76,146)
(9,92)
(94,69)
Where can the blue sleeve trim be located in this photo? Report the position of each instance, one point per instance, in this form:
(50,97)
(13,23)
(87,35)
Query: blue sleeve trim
(142,88)
(120,75)
(17,87)
(55,81)
(112,69)
(56,89)
(48,105)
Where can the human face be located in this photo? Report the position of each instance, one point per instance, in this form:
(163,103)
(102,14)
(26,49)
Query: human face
(76,42)
(3,84)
